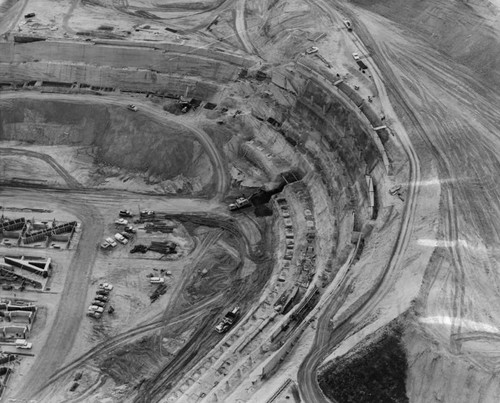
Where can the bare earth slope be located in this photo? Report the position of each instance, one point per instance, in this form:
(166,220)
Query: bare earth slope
(450,102)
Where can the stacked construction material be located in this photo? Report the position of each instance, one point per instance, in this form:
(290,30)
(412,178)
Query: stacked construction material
(164,247)
(160,290)
(139,248)
(158,227)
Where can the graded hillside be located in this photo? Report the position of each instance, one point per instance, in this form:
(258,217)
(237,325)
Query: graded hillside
(466,31)
(112,135)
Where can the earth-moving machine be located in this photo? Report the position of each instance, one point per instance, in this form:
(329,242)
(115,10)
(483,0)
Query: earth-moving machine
(240,203)
(228,321)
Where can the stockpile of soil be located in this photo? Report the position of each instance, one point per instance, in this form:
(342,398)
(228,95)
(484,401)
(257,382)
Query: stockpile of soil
(375,374)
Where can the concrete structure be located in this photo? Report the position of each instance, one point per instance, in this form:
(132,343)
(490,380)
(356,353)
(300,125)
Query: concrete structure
(38,267)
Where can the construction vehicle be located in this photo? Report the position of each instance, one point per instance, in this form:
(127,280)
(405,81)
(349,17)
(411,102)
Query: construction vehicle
(311,50)
(228,321)
(240,203)
(95,308)
(130,229)
(348,25)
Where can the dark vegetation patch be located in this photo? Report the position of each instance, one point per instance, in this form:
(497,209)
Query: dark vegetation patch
(374,374)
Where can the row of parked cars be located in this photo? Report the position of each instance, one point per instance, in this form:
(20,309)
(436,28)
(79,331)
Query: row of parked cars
(96,308)
(124,236)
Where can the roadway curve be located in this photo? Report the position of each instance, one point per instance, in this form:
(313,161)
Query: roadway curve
(325,341)
(221,180)
(70,181)
(241,29)
(65,327)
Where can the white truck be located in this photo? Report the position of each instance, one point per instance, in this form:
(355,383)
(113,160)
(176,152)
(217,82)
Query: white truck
(111,242)
(23,344)
(240,203)
(120,238)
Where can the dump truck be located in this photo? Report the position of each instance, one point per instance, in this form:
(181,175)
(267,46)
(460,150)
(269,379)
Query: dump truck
(228,321)
(240,203)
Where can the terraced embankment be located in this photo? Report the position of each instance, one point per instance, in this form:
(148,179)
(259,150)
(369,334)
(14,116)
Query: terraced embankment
(140,67)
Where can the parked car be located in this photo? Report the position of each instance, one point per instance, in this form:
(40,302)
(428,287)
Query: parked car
(130,229)
(111,242)
(105,245)
(102,298)
(120,238)
(95,308)
(96,302)
(132,107)
(355,56)
(121,221)
(102,292)
(125,213)
(106,286)
(29,15)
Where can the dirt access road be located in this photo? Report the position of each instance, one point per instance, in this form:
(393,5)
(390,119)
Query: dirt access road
(156,114)
(326,339)
(66,323)
(71,309)
(453,119)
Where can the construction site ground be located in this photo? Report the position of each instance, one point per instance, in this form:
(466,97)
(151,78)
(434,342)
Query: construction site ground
(368,253)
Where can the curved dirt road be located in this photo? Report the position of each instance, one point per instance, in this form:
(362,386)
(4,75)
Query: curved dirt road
(70,181)
(325,340)
(218,164)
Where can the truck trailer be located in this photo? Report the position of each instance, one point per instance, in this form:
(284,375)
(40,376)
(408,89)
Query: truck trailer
(228,321)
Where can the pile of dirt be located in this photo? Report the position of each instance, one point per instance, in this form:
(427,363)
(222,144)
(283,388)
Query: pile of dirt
(376,373)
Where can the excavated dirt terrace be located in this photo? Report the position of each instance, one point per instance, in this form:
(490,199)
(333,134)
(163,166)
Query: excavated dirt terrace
(101,146)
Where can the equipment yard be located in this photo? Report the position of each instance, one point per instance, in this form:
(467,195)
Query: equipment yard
(249,201)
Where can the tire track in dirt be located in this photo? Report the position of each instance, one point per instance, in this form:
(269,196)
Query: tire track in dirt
(122,339)
(65,175)
(308,383)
